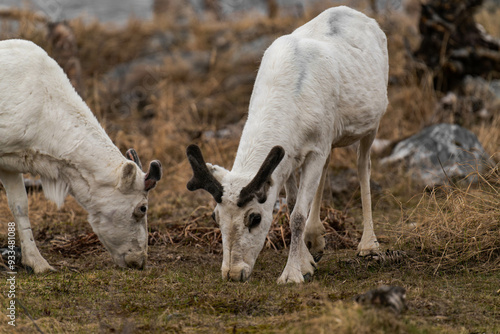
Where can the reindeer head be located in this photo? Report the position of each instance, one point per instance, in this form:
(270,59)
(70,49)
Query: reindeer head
(119,215)
(244,209)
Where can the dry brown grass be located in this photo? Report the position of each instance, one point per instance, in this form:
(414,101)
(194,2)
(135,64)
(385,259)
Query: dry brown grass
(453,227)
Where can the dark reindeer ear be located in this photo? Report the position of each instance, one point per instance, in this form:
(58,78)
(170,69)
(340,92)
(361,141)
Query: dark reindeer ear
(202,178)
(132,155)
(261,183)
(153,175)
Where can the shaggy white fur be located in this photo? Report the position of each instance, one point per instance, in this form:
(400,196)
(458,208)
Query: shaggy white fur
(55,190)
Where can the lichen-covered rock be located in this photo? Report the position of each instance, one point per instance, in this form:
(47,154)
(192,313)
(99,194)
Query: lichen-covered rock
(440,153)
(392,297)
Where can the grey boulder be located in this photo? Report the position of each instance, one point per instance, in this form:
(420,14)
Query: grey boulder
(441,153)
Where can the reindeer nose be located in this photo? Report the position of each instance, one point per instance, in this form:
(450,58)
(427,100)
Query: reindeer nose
(238,274)
(137,265)
(136,260)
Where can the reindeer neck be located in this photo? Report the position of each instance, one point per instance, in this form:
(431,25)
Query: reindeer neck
(72,148)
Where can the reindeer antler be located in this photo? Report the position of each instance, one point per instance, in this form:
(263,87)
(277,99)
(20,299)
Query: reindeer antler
(202,178)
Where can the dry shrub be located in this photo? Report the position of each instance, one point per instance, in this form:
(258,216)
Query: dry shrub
(75,247)
(488,135)
(340,231)
(452,226)
(201,231)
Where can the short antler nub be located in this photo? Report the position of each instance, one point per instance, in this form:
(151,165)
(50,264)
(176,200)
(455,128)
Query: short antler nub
(132,155)
(202,178)
(259,186)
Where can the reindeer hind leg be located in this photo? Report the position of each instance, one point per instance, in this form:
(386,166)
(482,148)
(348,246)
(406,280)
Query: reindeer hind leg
(368,244)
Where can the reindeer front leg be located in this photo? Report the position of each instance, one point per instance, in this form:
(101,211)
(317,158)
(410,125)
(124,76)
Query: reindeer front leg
(291,192)
(300,262)
(315,231)
(18,203)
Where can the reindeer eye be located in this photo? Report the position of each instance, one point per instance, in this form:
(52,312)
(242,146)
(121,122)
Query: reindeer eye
(140,211)
(254,220)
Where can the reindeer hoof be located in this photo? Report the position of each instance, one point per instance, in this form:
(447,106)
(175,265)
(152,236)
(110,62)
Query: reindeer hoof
(391,256)
(317,256)
(308,277)
(371,255)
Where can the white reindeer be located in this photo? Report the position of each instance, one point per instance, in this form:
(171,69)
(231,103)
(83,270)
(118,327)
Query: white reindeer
(323,86)
(46,129)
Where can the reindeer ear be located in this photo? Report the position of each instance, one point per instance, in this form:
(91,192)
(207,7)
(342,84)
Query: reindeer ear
(202,177)
(132,155)
(153,175)
(261,183)
(128,176)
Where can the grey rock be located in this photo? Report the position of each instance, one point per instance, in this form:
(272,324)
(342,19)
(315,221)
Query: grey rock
(476,101)
(392,297)
(380,146)
(494,87)
(6,252)
(477,86)
(441,153)
(343,185)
